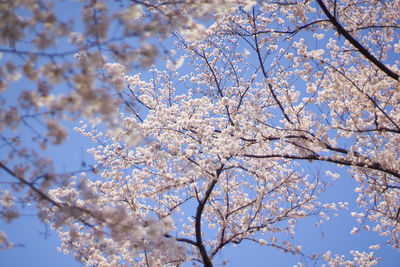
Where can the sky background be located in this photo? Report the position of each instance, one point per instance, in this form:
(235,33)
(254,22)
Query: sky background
(40,242)
(37,244)
(41,250)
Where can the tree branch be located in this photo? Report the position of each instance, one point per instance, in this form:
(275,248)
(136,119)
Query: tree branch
(199,243)
(342,161)
(264,72)
(356,44)
(46,197)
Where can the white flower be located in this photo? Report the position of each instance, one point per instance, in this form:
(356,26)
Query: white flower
(354,231)
(262,241)
(176,64)
(7,200)
(117,74)
(195,32)
(4,244)
(76,38)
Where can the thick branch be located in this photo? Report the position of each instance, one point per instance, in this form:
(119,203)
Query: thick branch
(372,166)
(46,197)
(356,44)
(206,259)
(31,186)
(182,239)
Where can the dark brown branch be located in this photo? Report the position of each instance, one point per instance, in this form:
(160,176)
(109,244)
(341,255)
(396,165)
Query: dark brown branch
(356,44)
(31,186)
(181,239)
(289,32)
(370,98)
(264,72)
(43,196)
(199,243)
(342,161)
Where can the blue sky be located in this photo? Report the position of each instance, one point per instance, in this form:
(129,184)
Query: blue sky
(39,242)
(41,250)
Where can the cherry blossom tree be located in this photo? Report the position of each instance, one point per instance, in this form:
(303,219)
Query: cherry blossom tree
(211,149)
(52,71)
